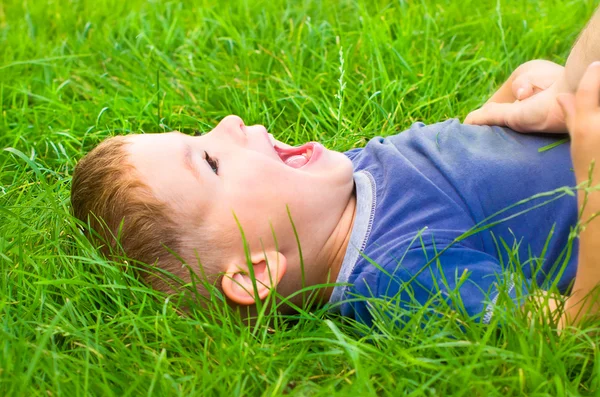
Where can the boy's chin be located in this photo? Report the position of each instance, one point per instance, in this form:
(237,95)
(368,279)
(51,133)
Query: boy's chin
(341,164)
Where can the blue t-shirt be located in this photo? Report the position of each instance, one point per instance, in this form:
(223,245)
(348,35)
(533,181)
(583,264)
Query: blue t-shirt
(420,191)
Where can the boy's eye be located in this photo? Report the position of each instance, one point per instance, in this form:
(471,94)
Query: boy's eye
(214,164)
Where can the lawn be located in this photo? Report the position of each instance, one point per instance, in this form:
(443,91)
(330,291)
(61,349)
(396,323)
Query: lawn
(75,72)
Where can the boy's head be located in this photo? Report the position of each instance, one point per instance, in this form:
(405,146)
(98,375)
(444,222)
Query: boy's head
(189,193)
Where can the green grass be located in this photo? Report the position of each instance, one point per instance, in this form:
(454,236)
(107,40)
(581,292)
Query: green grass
(75,72)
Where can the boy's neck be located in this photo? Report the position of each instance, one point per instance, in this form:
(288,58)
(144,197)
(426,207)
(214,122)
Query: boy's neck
(338,244)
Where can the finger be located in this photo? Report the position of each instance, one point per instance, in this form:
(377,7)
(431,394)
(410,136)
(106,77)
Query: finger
(522,87)
(567,105)
(486,115)
(494,114)
(469,118)
(588,94)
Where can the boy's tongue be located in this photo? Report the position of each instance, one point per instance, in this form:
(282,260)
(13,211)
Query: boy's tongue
(296,161)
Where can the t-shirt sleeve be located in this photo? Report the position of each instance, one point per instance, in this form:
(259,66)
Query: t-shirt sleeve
(435,278)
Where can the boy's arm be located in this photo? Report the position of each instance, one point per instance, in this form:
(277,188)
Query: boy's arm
(582,113)
(541,112)
(585,51)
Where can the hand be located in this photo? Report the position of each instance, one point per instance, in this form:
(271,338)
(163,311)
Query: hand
(527,101)
(582,113)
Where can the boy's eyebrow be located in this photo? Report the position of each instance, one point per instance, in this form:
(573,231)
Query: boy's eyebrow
(189,163)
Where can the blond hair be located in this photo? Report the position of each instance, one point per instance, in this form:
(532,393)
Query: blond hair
(107,192)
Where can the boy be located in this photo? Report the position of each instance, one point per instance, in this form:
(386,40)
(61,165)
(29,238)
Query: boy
(404,203)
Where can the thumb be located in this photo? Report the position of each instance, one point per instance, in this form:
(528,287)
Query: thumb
(522,88)
(567,105)
(491,114)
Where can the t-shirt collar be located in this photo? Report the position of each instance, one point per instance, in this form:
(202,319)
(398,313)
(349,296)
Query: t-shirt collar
(363,221)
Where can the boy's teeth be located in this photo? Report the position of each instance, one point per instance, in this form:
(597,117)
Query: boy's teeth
(272,139)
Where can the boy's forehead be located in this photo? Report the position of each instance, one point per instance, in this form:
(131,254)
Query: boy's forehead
(159,160)
(155,142)
(151,151)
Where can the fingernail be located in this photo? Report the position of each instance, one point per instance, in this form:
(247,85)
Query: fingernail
(595,64)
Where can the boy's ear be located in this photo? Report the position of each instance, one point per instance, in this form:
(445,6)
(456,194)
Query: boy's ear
(269,268)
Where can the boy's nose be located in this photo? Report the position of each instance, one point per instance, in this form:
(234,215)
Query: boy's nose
(234,127)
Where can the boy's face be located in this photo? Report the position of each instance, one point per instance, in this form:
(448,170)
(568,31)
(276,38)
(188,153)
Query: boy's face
(238,169)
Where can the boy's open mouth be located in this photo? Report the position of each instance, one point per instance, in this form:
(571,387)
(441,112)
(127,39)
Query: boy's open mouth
(298,157)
